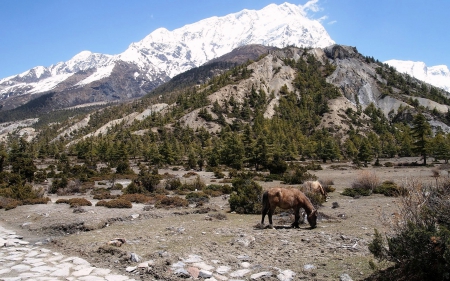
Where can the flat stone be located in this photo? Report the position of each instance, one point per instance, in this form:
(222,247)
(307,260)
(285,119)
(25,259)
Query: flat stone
(5,270)
(203,265)
(80,261)
(130,268)
(256,276)
(83,272)
(21,268)
(62,272)
(91,278)
(115,277)
(240,273)
(192,259)
(245,264)
(205,273)
(43,269)
(193,271)
(101,271)
(223,269)
(181,272)
(345,277)
(286,275)
(178,264)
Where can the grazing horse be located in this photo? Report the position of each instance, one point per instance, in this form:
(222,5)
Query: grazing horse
(288,198)
(316,187)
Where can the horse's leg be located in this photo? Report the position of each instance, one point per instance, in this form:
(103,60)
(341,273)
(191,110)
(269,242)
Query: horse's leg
(297,217)
(271,211)
(264,212)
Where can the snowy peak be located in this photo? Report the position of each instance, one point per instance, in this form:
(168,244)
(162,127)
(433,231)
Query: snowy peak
(197,43)
(163,54)
(438,76)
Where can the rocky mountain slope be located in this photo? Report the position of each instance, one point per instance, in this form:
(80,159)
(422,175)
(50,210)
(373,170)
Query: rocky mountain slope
(90,77)
(360,81)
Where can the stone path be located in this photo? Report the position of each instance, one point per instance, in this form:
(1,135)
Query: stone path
(19,260)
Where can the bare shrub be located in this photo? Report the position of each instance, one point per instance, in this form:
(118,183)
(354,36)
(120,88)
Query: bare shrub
(77,202)
(171,202)
(137,198)
(366,180)
(327,185)
(114,203)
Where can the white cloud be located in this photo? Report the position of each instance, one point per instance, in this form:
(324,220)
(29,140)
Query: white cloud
(311,5)
(332,22)
(321,19)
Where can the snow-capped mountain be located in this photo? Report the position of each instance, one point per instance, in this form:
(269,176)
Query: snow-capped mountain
(438,76)
(161,55)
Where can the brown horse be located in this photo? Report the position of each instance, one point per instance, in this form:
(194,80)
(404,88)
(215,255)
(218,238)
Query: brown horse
(316,187)
(288,198)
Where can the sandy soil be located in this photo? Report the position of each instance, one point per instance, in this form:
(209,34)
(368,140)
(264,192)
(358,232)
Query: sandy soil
(337,246)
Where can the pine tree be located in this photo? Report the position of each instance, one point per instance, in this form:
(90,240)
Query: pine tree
(421,132)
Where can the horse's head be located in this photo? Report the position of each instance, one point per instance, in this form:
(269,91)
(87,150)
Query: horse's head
(312,219)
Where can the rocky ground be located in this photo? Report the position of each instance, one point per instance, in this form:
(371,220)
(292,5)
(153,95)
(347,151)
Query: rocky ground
(210,243)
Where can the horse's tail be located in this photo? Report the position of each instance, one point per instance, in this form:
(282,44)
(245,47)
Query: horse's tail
(265,200)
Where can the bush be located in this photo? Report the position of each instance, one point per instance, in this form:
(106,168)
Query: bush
(134,188)
(246,197)
(355,192)
(390,188)
(35,201)
(297,175)
(62,201)
(137,198)
(9,203)
(115,203)
(196,197)
(419,240)
(173,184)
(170,202)
(77,202)
(327,185)
(364,185)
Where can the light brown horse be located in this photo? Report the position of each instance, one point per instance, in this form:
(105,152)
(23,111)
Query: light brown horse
(288,198)
(316,187)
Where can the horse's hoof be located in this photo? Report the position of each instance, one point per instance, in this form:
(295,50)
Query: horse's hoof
(270,226)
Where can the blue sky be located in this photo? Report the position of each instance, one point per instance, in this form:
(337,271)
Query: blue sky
(49,31)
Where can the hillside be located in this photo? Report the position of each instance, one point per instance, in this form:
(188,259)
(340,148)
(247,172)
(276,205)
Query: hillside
(288,104)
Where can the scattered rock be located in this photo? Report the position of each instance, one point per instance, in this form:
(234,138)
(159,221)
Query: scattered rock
(345,277)
(134,257)
(335,205)
(308,267)
(256,276)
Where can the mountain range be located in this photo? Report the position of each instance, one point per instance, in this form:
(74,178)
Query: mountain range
(438,75)
(91,77)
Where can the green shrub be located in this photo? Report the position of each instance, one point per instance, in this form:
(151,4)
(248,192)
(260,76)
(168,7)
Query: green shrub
(134,188)
(196,197)
(352,192)
(297,175)
(246,197)
(390,188)
(388,164)
(173,184)
(117,186)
